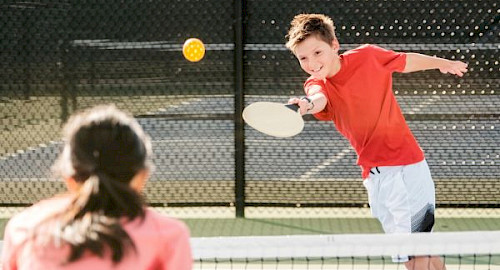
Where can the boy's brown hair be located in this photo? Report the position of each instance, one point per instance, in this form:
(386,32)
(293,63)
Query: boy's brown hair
(306,25)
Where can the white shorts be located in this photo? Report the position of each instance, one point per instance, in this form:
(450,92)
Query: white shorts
(402,198)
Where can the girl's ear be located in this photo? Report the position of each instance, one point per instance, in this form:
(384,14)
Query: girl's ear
(139,180)
(71,184)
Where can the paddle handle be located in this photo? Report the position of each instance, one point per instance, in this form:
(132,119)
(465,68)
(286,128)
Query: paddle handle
(293,107)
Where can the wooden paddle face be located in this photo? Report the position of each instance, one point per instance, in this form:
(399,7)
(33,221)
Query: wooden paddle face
(275,119)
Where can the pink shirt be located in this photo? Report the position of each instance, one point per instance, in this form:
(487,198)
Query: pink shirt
(362,106)
(161,243)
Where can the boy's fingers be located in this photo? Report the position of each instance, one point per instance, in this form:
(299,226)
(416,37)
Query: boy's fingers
(460,72)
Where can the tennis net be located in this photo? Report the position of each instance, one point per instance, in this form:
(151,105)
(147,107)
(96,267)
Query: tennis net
(457,250)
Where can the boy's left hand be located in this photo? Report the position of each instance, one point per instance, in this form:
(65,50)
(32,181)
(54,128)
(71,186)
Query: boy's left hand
(454,67)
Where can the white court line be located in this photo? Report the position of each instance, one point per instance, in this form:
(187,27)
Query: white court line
(174,106)
(358,212)
(326,162)
(29,148)
(425,103)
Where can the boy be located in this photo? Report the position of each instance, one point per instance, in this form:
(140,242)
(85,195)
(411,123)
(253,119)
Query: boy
(354,90)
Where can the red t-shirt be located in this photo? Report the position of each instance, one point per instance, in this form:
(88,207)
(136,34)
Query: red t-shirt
(363,108)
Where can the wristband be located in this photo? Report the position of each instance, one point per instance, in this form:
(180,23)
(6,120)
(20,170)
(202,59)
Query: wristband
(309,101)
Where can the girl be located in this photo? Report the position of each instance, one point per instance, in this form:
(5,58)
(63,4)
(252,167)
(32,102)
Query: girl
(102,222)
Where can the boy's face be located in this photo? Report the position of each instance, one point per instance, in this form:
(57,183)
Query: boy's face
(318,58)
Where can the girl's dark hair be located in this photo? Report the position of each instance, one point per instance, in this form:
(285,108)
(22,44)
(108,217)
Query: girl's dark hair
(103,151)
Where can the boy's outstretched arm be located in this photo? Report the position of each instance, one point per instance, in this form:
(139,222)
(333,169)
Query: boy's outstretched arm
(417,62)
(316,104)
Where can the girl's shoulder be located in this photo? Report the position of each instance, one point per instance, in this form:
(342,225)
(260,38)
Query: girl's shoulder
(164,221)
(39,211)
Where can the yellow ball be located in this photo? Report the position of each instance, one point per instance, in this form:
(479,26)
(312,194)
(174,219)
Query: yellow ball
(193,49)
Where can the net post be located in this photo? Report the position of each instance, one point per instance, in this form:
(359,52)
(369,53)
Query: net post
(239,132)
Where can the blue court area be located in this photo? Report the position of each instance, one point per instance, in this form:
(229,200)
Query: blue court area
(195,164)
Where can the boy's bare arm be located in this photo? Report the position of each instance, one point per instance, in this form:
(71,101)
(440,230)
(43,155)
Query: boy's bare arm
(417,62)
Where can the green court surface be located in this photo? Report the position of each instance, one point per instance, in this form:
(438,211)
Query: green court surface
(209,227)
(291,226)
